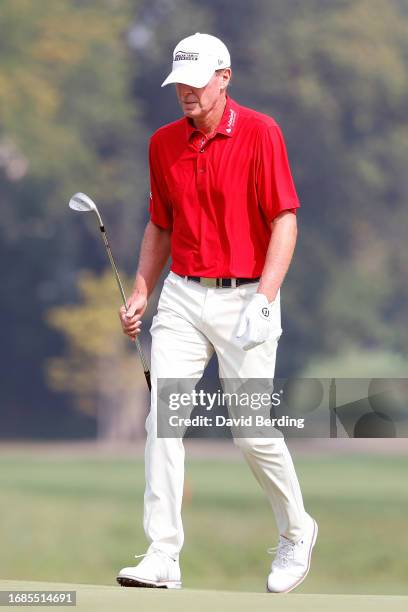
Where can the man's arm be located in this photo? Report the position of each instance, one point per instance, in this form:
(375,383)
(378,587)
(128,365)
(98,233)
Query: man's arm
(279,255)
(154,253)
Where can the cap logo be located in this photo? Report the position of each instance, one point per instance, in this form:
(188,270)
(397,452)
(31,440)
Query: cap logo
(186,55)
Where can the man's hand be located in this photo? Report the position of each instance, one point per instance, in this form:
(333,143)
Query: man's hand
(131,318)
(255,323)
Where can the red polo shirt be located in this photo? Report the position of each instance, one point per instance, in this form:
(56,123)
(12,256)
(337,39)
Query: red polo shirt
(219,195)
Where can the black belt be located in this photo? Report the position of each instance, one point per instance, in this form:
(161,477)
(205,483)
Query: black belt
(220,282)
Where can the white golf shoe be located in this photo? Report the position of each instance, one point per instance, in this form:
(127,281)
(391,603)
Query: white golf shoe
(156,570)
(292,562)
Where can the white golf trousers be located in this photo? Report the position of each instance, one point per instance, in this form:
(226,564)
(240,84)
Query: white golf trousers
(191,323)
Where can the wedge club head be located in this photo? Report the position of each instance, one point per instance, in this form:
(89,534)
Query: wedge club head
(83,203)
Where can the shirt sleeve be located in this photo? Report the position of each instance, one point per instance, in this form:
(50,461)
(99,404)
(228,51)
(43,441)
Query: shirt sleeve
(274,183)
(160,210)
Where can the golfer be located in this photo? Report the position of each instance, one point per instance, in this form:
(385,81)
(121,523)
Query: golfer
(223,205)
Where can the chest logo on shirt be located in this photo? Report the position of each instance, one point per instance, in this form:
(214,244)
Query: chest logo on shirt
(231,120)
(185,56)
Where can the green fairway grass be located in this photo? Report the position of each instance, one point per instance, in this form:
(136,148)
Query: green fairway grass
(80,521)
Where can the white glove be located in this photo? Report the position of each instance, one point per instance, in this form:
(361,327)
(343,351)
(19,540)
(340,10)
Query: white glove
(255,322)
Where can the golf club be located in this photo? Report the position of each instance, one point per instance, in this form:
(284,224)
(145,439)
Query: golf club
(82,203)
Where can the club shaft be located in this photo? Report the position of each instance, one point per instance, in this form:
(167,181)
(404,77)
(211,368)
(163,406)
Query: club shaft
(115,270)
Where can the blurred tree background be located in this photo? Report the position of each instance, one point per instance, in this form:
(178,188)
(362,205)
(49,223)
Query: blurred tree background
(80,95)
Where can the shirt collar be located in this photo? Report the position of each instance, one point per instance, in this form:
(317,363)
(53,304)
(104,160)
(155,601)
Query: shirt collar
(226,126)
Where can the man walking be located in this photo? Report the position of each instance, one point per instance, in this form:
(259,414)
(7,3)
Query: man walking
(223,204)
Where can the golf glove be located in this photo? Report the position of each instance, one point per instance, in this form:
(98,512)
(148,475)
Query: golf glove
(255,323)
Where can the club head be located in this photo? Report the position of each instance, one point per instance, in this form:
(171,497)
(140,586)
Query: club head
(82,203)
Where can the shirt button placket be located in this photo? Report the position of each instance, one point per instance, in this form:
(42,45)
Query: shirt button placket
(201,162)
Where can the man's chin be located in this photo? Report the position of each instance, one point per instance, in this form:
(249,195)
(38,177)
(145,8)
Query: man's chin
(190,110)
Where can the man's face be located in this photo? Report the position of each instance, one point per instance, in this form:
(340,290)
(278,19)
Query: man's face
(196,102)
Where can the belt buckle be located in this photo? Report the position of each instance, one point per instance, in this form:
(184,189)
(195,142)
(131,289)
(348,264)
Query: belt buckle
(208,282)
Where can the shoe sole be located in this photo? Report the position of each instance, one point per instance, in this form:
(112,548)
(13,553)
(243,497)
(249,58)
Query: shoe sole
(315,530)
(128,581)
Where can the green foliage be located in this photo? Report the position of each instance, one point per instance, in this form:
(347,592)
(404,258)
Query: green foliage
(98,368)
(63,84)
(67,123)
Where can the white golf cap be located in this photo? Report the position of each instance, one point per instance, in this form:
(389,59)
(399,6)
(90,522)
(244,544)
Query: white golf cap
(196,58)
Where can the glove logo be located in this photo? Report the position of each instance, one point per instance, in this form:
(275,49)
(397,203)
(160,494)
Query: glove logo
(265,312)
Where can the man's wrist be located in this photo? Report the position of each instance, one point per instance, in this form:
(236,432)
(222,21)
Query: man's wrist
(138,291)
(140,286)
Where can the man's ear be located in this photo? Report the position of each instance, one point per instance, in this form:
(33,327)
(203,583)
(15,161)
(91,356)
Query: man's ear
(225,74)
(226,77)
